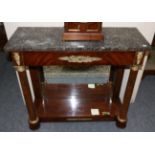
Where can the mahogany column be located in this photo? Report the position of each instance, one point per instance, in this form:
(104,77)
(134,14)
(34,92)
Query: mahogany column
(122,116)
(33,118)
(21,71)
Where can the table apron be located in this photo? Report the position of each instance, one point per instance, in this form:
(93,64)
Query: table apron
(77,58)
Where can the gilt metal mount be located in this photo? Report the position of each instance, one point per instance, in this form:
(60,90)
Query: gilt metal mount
(79,59)
(20,68)
(138,61)
(16,57)
(34,121)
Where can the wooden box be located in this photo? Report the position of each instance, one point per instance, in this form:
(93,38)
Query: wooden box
(82,31)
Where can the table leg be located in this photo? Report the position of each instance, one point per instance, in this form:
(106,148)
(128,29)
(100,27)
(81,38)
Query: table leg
(37,79)
(116,77)
(122,115)
(33,117)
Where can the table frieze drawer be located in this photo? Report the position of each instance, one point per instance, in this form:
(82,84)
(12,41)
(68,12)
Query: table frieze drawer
(69,58)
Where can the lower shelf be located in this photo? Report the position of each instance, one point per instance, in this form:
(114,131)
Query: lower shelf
(62,102)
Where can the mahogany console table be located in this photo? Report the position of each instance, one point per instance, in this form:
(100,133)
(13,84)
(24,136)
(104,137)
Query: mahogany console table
(33,48)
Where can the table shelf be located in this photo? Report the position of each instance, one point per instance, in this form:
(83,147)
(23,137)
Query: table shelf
(75,102)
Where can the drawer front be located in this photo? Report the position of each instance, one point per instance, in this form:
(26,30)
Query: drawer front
(72,27)
(94,27)
(77,58)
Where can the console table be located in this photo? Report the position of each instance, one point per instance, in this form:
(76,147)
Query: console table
(33,48)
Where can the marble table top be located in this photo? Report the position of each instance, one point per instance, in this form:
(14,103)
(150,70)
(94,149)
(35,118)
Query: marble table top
(50,39)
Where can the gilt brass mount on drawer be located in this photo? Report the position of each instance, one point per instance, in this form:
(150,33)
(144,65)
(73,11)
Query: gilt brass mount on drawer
(79,59)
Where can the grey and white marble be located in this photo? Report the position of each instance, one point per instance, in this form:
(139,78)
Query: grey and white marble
(50,39)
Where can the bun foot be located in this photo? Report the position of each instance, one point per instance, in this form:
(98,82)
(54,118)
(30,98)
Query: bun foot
(34,124)
(121,122)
